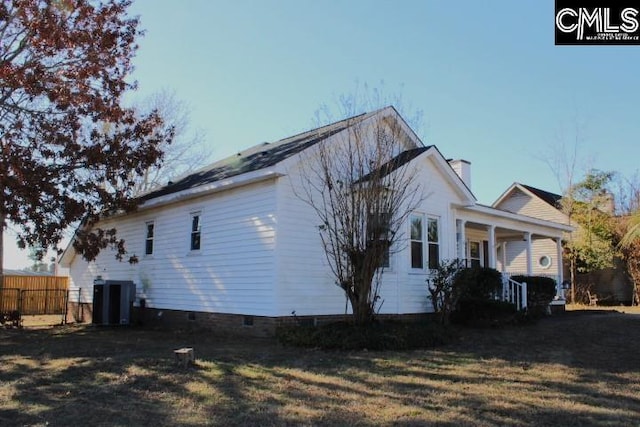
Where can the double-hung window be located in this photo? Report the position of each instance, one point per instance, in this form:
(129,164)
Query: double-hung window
(433,237)
(148,243)
(196,231)
(378,235)
(474,254)
(417,242)
(425,242)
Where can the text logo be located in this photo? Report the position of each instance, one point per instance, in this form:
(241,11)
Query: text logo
(611,23)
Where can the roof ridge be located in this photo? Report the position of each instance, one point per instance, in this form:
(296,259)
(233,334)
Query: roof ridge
(256,157)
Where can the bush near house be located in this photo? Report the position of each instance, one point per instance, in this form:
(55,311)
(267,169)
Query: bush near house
(479,283)
(444,293)
(478,305)
(540,292)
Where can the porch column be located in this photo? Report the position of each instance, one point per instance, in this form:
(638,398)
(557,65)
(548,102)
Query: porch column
(492,246)
(461,238)
(527,238)
(504,257)
(560,268)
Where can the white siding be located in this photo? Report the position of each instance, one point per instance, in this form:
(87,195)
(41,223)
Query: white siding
(304,281)
(440,194)
(524,204)
(232,273)
(516,257)
(304,284)
(516,254)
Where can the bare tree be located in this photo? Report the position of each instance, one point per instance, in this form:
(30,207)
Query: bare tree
(361,185)
(364,98)
(186,152)
(562,157)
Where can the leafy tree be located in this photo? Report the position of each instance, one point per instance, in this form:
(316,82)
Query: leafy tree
(37,265)
(67,145)
(629,249)
(628,232)
(632,233)
(589,204)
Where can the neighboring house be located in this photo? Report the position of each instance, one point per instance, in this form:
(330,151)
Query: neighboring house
(609,284)
(232,245)
(546,253)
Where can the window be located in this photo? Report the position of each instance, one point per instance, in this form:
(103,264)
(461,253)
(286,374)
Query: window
(418,238)
(417,245)
(544,261)
(474,254)
(195,231)
(148,244)
(434,243)
(378,235)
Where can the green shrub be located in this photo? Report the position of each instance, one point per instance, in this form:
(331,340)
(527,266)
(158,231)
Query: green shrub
(540,292)
(477,305)
(387,335)
(479,283)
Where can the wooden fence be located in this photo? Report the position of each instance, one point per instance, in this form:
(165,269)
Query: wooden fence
(35,283)
(32,295)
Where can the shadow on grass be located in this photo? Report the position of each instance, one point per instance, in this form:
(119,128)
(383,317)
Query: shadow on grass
(566,370)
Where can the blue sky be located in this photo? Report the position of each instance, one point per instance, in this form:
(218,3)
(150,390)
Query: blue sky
(493,87)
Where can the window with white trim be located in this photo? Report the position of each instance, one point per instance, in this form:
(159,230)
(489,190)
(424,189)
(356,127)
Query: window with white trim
(474,254)
(433,238)
(196,231)
(425,241)
(148,243)
(417,242)
(544,261)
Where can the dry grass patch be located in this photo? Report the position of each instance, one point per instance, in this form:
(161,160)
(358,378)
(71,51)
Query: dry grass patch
(575,369)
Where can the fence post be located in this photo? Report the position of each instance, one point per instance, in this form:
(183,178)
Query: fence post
(524,295)
(78,305)
(20,302)
(65,311)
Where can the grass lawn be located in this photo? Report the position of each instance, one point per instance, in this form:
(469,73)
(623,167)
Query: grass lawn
(580,368)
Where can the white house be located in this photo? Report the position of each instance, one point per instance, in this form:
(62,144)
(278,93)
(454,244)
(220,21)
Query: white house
(610,284)
(232,245)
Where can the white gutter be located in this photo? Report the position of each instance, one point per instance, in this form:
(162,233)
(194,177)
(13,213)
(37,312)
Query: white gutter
(214,187)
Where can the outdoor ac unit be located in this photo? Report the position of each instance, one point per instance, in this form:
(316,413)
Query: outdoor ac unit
(112,301)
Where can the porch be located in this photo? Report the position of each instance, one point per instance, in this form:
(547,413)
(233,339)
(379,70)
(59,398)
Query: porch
(512,244)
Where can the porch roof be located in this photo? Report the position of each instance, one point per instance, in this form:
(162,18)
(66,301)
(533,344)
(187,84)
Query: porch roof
(487,215)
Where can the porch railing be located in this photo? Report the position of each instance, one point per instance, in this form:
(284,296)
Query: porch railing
(514,292)
(560,296)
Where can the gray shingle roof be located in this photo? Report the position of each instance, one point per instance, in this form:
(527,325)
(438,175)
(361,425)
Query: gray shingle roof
(400,160)
(551,198)
(255,158)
